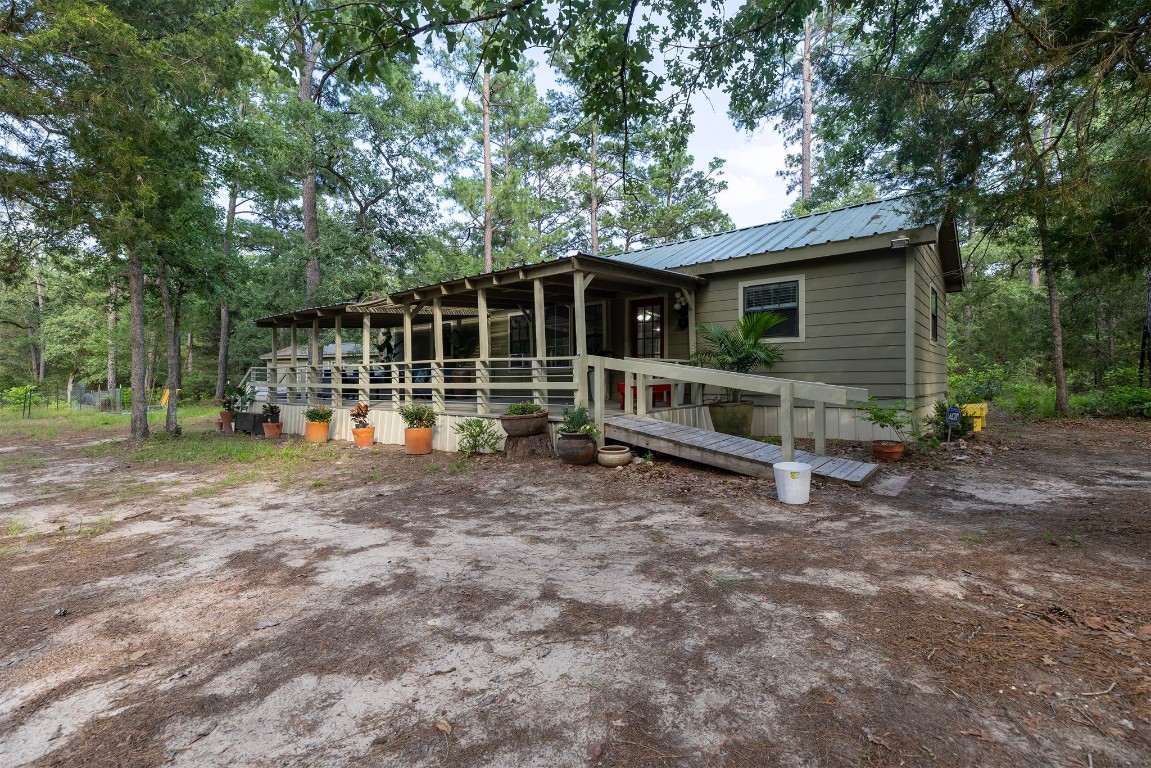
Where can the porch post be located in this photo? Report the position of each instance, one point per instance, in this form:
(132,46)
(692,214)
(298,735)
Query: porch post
(438,366)
(579,366)
(539,365)
(315,359)
(406,392)
(483,399)
(693,395)
(273,369)
(600,394)
(338,367)
(787,421)
(366,358)
(294,379)
(819,413)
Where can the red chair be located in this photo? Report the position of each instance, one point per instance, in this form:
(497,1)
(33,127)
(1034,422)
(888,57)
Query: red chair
(660,392)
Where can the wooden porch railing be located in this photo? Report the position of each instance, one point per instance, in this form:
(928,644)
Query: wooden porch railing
(788,391)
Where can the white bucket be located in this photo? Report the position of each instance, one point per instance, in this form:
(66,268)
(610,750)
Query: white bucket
(792,482)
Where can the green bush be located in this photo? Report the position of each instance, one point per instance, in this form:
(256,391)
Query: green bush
(417,415)
(1027,401)
(525,408)
(938,421)
(477,436)
(318,413)
(983,382)
(1114,401)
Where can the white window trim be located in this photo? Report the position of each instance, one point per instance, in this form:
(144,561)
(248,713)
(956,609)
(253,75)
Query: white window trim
(801,280)
(933,293)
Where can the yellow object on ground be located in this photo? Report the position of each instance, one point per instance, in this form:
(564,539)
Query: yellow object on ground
(977,411)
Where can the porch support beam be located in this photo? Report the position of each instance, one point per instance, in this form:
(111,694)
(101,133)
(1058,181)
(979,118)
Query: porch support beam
(438,344)
(483,397)
(314,360)
(579,367)
(695,392)
(294,379)
(539,369)
(365,358)
(338,368)
(273,368)
(787,421)
(406,393)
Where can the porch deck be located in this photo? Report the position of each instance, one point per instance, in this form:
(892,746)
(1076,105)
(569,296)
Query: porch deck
(738,454)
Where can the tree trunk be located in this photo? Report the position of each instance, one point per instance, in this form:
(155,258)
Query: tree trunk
(139,352)
(805,137)
(1062,406)
(593,208)
(113,321)
(1145,345)
(307,94)
(222,358)
(188,355)
(68,394)
(486,97)
(41,367)
(172,336)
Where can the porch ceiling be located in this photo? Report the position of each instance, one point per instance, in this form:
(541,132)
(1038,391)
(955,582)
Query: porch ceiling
(381,313)
(512,288)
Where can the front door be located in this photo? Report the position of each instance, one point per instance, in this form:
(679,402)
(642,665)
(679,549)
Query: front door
(647,328)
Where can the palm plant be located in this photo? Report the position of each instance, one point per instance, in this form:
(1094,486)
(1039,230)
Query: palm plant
(739,349)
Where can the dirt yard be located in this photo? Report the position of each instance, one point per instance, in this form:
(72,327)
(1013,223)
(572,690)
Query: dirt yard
(376,609)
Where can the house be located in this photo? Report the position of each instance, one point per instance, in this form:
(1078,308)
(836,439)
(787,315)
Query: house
(863,290)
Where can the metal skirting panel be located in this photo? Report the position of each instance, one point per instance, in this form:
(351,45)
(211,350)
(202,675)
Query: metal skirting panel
(842,423)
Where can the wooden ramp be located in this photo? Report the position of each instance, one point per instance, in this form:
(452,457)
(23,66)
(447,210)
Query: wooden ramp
(738,454)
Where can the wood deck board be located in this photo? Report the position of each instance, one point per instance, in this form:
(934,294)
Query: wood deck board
(737,454)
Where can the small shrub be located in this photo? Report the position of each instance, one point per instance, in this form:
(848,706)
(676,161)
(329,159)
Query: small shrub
(525,408)
(579,420)
(983,382)
(896,417)
(359,415)
(417,415)
(1117,401)
(938,421)
(318,413)
(477,436)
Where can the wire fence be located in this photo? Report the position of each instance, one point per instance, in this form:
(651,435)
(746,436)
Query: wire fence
(55,397)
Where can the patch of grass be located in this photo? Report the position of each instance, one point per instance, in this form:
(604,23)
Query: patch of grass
(318,483)
(1052,539)
(103,524)
(724,584)
(15,528)
(15,462)
(972,537)
(657,535)
(431,468)
(52,422)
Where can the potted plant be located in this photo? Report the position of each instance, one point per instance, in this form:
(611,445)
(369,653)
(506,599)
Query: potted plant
(319,419)
(523,419)
(576,443)
(896,417)
(739,349)
(418,420)
(235,399)
(362,434)
(272,426)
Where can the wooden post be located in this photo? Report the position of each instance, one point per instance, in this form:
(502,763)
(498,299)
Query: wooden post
(598,391)
(579,367)
(315,360)
(406,392)
(294,379)
(366,359)
(539,364)
(787,421)
(695,392)
(437,376)
(483,394)
(641,394)
(819,413)
(273,369)
(338,366)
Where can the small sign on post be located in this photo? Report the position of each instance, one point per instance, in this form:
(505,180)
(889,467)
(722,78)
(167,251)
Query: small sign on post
(954,416)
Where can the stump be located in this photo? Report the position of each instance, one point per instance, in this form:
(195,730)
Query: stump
(530,447)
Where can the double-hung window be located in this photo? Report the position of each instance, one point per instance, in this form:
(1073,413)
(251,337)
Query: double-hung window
(782,296)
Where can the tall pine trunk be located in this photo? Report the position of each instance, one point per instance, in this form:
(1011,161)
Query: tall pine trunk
(222,354)
(139,350)
(805,137)
(593,203)
(41,367)
(486,97)
(172,336)
(308,204)
(1051,271)
(113,321)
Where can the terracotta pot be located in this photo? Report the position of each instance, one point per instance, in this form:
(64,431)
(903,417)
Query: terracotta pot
(613,456)
(887,450)
(273,429)
(316,431)
(527,424)
(732,418)
(226,422)
(575,448)
(364,436)
(417,441)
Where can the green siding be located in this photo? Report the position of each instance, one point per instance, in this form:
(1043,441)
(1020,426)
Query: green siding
(930,356)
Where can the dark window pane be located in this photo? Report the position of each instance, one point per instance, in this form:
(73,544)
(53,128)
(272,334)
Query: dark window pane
(780,298)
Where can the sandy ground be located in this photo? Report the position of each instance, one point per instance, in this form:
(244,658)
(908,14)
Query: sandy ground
(996,611)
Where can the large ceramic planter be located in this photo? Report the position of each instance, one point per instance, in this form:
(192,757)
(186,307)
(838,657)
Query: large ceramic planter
(887,450)
(364,436)
(226,422)
(273,429)
(613,456)
(732,418)
(417,441)
(525,425)
(316,431)
(575,448)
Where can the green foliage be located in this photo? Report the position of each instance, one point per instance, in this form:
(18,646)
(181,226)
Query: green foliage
(741,348)
(477,436)
(417,415)
(983,381)
(579,420)
(318,414)
(525,408)
(15,397)
(359,415)
(895,416)
(1117,401)
(237,398)
(938,421)
(270,410)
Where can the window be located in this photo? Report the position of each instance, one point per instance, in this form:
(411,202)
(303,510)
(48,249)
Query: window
(647,328)
(595,328)
(784,297)
(934,315)
(557,331)
(519,336)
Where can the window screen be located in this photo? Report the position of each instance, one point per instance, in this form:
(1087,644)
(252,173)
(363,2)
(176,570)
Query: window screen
(780,298)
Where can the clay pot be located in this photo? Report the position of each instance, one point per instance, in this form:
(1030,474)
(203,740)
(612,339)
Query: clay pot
(226,422)
(316,431)
(525,425)
(417,441)
(613,456)
(273,429)
(575,448)
(364,437)
(887,450)
(732,418)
